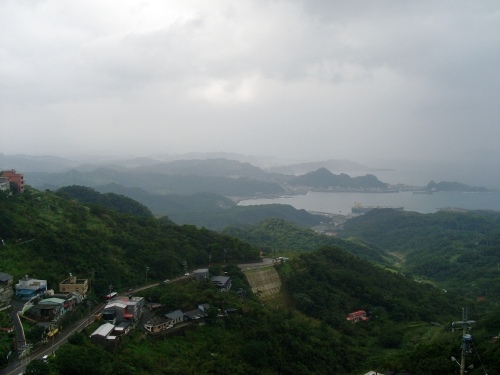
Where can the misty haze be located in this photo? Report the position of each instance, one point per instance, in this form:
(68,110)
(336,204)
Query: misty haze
(250,187)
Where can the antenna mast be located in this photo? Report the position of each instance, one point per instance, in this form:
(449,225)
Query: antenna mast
(466,338)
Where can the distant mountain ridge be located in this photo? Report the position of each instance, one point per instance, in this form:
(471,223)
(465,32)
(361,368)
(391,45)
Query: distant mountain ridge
(29,163)
(334,165)
(155,183)
(215,168)
(270,164)
(324,179)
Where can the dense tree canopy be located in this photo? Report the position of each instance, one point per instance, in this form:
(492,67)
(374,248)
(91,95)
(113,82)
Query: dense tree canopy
(49,236)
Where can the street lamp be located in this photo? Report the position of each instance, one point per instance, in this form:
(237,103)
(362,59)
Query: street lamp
(225,253)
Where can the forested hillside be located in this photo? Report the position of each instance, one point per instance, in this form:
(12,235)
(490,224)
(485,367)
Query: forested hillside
(303,331)
(155,182)
(208,210)
(49,236)
(409,323)
(323,179)
(110,201)
(461,250)
(275,235)
(255,340)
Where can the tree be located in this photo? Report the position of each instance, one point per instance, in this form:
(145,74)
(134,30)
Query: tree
(37,367)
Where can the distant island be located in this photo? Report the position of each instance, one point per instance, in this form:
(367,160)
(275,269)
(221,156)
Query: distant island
(454,186)
(322,179)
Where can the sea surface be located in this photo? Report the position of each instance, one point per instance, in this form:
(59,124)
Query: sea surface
(341,203)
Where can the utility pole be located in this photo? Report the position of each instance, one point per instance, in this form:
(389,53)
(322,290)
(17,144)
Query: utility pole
(89,304)
(466,338)
(147,269)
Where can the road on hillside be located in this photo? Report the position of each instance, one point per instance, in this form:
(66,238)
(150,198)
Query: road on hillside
(17,365)
(266,262)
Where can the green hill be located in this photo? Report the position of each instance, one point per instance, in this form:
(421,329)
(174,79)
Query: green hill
(49,236)
(208,210)
(453,186)
(458,249)
(155,182)
(304,331)
(324,179)
(110,201)
(275,234)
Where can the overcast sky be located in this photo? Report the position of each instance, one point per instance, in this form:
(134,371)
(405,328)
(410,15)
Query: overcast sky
(304,79)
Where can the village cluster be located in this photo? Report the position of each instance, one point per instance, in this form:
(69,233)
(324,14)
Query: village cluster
(45,307)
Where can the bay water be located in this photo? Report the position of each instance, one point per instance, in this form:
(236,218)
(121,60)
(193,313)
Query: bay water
(342,202)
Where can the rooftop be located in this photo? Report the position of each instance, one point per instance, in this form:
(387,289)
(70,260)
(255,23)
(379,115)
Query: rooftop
(5,277)
(103,330)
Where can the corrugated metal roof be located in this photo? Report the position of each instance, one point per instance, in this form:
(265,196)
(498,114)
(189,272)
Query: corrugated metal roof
(103,330)
(52,301)
(116,304)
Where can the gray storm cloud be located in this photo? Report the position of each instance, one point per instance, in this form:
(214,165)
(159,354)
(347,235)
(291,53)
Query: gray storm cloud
(295,79)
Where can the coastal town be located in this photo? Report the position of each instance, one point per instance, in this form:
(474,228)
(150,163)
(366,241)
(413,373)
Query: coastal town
(31,301)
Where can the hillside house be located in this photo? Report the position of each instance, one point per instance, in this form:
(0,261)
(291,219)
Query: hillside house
(4,184)
(16,180)
(196,314)
(133,311)
(123,310)
(6,291)
(222,283)
(114,312)
(201,274)
(72,284)
(357,316)
(47,310)
(27,288)
(175,317)
(158,324)
(104,335)
(123,328)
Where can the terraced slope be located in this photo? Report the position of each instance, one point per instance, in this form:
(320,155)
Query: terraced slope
(265,282)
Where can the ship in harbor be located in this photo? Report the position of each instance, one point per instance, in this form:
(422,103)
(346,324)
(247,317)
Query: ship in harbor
(359,209)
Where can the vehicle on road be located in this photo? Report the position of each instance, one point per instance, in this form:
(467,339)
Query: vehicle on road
(111,295)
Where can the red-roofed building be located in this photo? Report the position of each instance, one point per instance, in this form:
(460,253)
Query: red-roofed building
(16,180)
(356,316)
